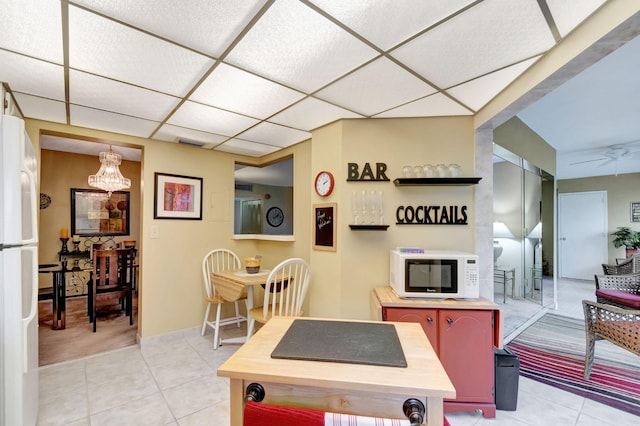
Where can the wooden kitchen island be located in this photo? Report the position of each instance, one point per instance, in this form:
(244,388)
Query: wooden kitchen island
(463,334)
(366,390)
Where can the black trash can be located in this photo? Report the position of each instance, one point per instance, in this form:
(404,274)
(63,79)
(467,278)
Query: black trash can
(507,371)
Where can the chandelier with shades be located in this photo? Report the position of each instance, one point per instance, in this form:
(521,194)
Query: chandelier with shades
(109,178)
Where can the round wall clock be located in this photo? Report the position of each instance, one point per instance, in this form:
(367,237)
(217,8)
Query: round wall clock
(324,183)
(275,216)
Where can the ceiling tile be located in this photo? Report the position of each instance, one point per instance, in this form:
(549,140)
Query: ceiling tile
(204,25)
(311,113)
(386,23)
(41,108)
(275,134)
(79,146)
(242,147)
(476,93)
(295,46)
(239,91)
(567,15)
(27,75)
(131,56)
(32,27)
(97,92)
(379,86)
(487,37)
(111,122)
(209,119)
(436,105)
(171,133)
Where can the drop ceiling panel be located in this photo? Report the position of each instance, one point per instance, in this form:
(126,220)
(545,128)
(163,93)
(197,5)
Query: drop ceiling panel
(386,23)
(478,92)
(204,25)
(131,56)
(311,113)
(275,134)
(567,15)
(487,37)
(32,27)
(111,122)
(87,147)
(97,92)
(239,91)
(437,105)
(378,86)
(294,45)
(28,75)
(209,119)
(41,108)
(170,133)
(242,147)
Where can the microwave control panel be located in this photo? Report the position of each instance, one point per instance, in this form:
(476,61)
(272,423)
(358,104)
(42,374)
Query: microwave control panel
(471,272)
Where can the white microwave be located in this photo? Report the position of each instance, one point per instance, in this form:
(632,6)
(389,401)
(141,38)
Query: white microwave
(434,274)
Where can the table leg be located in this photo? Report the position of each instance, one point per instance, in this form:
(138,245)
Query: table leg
(435,411)
(243,339)
(236,402)
(59,301)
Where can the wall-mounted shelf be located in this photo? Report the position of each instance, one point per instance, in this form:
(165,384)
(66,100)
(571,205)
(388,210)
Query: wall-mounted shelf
(369,227)
(446,181)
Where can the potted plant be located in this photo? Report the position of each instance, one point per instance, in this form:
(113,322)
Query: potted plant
(627,238)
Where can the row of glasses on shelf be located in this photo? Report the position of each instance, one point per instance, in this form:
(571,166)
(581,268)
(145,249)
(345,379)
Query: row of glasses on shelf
(430,171)
(367,207)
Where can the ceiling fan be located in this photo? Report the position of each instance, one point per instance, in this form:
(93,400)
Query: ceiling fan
(613,153)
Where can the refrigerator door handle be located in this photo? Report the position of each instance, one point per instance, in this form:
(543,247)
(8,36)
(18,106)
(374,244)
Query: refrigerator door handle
(33,311)
(33,210)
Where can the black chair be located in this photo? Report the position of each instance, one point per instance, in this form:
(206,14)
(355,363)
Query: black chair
(113,276)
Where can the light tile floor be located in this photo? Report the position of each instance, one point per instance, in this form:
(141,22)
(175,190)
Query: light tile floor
(171,380)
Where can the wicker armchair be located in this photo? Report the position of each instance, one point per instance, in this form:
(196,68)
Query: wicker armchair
(627,266)
(622,291)
(619,326)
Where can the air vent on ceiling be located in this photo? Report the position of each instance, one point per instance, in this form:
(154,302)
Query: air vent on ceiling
(191,143)
(244,187)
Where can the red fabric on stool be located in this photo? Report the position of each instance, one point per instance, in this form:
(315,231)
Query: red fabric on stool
(256,414)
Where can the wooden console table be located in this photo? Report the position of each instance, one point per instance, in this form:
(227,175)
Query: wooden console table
(366,390)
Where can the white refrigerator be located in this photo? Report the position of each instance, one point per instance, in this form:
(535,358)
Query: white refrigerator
(18,276)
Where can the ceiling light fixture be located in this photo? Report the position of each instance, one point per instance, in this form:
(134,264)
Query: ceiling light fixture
(109,177)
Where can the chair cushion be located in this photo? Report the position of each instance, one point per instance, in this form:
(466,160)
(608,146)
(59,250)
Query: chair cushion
(620,297)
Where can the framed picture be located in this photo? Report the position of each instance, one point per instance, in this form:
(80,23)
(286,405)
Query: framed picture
(177,197)
(635,211)
(324,226)
(94,213)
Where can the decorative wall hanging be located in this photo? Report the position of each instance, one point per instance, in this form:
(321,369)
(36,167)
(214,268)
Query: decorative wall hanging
(324,226)
(95,213)
(45,201)
(177,197)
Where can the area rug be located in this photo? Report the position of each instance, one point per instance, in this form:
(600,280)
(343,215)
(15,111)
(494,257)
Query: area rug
(552,350)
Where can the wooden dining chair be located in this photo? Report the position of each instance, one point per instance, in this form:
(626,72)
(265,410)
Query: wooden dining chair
(113,274)
(284,294)
(214,261)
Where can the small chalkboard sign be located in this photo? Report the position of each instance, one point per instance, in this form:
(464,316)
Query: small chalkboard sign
(324,226)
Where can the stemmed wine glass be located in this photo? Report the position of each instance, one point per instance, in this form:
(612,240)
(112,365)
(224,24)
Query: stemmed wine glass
(381,206)
(363,206)
(373,206)
(354,206)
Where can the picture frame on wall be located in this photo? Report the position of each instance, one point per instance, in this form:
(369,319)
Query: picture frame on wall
(635,211)
(325,226)
(177,197)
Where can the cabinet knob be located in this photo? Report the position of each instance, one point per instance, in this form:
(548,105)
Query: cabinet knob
(429,320)
(449,321)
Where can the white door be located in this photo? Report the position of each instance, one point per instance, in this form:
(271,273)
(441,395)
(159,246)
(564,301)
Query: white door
(582,234)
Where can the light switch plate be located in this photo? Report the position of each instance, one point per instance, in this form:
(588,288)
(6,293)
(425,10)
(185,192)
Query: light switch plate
(155,231)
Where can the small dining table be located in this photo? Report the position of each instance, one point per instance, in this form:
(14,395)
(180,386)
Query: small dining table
(232,283)
(59,296)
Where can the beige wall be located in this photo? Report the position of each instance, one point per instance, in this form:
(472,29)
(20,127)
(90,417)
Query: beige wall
(342,280)
(621,191)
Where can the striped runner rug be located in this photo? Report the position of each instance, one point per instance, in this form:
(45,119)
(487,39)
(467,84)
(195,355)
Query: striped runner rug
(552,351)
